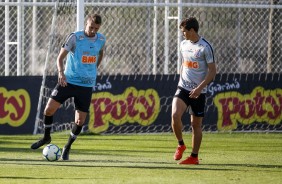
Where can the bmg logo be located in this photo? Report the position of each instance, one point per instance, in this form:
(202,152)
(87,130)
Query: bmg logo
(88,59)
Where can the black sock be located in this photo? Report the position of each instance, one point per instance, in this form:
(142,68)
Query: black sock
(70,141)
(194,155)
(76,129)
(181,142)
(74,133)
(48,120)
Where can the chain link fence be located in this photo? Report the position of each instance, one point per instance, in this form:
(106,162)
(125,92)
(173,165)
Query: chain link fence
(246,35)
(142,37)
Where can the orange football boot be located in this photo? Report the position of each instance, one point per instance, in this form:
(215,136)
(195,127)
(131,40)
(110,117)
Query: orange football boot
(190,160)
(179,151)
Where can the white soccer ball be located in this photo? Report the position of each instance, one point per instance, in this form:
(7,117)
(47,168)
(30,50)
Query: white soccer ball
(51,152)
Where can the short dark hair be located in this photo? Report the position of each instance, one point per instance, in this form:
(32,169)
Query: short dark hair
(189,23)
(94,17)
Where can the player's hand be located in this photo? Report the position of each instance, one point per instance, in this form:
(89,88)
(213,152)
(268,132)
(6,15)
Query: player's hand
(195,93)
(62,79)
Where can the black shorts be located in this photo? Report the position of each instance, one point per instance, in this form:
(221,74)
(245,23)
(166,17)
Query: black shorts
(82,95)
(195,106)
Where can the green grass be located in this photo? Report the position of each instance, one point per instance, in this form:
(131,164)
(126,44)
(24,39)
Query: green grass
(112,159)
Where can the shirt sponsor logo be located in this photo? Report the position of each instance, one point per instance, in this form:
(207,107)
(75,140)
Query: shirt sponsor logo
(191,64)
(88,59)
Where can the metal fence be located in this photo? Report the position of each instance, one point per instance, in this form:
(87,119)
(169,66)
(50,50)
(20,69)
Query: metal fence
(142,35)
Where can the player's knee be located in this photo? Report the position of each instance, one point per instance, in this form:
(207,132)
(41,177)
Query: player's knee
(79,122)
(48,111)
(196,126)
(175,117)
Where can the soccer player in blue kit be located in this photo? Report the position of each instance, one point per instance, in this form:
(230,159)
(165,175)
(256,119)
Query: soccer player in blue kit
(84,52)
(197,71)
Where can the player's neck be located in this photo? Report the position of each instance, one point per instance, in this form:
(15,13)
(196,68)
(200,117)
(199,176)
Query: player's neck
(195,38)
(90,36)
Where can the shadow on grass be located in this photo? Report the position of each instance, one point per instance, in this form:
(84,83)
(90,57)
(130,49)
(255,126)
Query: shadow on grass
(248,165)
(51,178)
(17,150)
(92,151)
(103,161)
(112,164)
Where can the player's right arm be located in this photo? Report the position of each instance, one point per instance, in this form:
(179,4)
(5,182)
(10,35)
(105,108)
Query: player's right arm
(68,46)
(60,65)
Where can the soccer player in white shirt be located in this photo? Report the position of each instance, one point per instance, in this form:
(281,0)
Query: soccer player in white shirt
(197,71)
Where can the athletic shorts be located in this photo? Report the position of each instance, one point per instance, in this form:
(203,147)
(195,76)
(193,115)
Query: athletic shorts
(82,95)
(196,106)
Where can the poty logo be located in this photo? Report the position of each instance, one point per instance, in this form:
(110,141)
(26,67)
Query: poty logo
(132,106)
(259,106)
(14,106)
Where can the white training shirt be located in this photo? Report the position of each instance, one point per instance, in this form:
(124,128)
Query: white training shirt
(195,59)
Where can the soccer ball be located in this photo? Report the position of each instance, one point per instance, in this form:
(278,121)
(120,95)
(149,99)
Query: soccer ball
(51,152)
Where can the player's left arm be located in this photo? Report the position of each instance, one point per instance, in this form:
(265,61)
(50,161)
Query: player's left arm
(209,56)
(101,52)
(101,55)
(209,77)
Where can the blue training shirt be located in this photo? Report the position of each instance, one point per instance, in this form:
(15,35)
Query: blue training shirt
(81,64)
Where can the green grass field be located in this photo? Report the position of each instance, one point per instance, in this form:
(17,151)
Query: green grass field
(112,159)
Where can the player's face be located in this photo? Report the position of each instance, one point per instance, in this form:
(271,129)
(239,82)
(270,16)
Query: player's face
(91,28)
(186,33)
